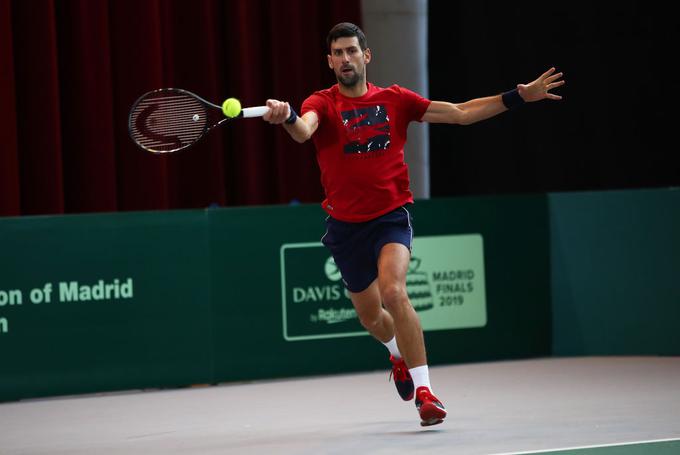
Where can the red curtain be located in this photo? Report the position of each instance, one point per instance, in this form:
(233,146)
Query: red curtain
(71,69)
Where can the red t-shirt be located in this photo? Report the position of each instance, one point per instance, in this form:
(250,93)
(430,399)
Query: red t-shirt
(360,149)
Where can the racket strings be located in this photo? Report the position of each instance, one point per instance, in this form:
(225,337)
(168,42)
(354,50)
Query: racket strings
(164,122)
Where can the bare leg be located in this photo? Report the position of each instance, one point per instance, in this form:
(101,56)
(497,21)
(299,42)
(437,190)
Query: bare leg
(372,315)
(392,267)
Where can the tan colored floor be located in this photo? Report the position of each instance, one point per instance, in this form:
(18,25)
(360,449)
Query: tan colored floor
(493,408)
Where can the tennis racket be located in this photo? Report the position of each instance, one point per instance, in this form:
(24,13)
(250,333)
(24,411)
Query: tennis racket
(171,119)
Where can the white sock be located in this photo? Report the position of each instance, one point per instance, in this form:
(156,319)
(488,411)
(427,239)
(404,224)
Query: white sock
(392,347)
(421,377)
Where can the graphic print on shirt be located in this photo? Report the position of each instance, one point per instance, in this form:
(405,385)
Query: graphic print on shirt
(368,130)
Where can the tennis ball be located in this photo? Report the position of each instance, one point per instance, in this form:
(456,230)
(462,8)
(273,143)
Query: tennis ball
(231,107)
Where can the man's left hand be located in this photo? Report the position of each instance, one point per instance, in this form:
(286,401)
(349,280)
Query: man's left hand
(540,88)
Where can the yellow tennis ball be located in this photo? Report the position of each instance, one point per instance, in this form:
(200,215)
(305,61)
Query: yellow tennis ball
(231,107)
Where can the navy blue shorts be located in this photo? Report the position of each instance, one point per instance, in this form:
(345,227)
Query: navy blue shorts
(356,246)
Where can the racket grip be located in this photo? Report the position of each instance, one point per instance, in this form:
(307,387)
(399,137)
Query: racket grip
(257,111)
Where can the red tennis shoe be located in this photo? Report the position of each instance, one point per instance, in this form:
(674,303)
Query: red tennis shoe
(402,378)
(431,410)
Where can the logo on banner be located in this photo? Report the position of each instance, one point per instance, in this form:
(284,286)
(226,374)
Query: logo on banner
(445,284)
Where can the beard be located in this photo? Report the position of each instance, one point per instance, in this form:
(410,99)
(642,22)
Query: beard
(349,80)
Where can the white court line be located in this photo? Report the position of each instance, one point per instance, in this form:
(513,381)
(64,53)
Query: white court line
(650,441)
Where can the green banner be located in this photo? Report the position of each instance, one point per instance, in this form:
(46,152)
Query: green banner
(162,299)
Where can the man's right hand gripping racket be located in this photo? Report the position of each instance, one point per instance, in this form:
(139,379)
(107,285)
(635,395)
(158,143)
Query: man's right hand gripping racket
(171,119)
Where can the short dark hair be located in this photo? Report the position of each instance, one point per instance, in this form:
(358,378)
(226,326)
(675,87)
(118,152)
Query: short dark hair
(346,30)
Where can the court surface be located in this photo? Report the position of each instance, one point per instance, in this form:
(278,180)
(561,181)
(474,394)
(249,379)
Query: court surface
(617,404)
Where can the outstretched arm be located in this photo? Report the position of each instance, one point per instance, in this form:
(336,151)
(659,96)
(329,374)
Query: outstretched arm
(483,108)
(299,128)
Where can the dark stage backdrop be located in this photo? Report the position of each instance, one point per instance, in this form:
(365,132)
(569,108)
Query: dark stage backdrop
(71,69)
(616,126)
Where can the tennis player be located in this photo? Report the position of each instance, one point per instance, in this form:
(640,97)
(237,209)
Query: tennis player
(359,131)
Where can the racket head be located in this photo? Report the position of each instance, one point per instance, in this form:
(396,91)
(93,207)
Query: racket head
(168,120)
